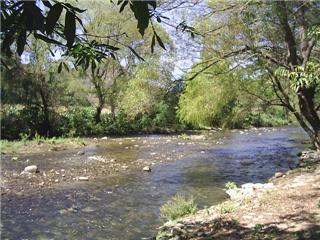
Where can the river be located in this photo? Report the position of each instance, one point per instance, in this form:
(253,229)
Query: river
(126,206)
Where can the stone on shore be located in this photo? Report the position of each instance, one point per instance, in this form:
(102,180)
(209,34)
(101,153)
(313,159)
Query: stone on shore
(278,174)
(83,178)
(30,169)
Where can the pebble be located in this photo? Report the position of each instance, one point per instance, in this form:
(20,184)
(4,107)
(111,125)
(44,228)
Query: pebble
(31,169)
(80,153)
(14,158)
(146,169)
(83,178)
(278,174)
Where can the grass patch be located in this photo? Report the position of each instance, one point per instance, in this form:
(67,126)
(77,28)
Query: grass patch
(230,185)
(227,207)
(184,136)
(12,147)
(178,207)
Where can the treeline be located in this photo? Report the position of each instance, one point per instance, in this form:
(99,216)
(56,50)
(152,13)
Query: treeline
(46,93)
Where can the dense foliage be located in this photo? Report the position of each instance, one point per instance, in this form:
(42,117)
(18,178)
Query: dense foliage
(91,72)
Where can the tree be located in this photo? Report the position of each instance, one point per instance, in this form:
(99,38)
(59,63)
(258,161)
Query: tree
(42,19)
(276,41)
(35,85)
(207,101)
(149,84)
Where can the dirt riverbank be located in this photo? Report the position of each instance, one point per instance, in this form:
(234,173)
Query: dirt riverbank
(285,208)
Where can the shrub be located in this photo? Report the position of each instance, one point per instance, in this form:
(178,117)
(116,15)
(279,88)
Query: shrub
(230,185)
(178,207)
(184,136)
(227,207)
(78,121)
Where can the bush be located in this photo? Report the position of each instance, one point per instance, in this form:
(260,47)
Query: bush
(178,207)
(230,185)
(78,121)
(17,121)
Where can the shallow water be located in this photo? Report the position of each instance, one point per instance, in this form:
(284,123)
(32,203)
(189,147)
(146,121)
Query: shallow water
(127,206)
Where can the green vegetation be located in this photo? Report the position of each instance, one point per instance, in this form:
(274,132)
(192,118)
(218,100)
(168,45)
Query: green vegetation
(12,147)
(227,207)
(178,207)
(258,66)
(231,185)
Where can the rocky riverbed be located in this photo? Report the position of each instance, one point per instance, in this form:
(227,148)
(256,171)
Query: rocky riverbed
(46,167)
(287,207)
(113,187)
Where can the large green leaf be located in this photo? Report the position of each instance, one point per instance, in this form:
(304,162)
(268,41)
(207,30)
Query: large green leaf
(70,28)
(46,39)
(53,17)
(141,13)
(21,41)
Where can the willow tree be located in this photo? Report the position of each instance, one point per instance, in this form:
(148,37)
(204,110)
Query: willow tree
(208,101)
(277,41)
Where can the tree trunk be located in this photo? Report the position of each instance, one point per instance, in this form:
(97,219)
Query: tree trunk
(45,108)
(98,114)
(113,109)
(307,109)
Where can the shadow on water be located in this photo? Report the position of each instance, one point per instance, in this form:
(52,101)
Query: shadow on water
(127,206)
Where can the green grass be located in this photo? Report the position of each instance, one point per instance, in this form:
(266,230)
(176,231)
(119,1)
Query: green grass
(230,185)
(227,207)
(178,207)
(24,144)
(184,136)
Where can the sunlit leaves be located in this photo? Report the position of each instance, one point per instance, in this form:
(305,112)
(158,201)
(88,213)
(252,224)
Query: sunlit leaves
(206,99)
(314,32)
(301,77)
(91,53)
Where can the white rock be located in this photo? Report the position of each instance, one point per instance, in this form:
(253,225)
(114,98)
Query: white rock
(198,137)
(83,178)
(247,185)
(146,169)
(31,169)
(104,138)
(278,174)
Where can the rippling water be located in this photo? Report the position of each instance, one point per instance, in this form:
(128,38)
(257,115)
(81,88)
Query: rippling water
(127,206)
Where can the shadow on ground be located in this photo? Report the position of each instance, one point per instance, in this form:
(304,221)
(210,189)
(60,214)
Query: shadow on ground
(290,227)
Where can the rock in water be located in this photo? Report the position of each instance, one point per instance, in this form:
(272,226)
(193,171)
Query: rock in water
(146,169)
(80,153)
(31,169)
(104,138)
(278,174)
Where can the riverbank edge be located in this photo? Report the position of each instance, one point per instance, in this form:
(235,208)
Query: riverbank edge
(42,144)
(219,221)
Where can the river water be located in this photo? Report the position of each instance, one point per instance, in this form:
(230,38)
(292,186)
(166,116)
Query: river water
(127,206)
